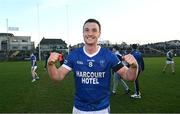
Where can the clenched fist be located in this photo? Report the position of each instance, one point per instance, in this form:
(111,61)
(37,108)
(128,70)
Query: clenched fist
(130,60)
(53,58)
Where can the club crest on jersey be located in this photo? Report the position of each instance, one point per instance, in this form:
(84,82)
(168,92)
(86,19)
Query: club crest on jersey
(80,62)
(102,63)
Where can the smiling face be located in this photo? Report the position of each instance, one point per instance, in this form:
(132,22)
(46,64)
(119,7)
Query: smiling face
(91,33)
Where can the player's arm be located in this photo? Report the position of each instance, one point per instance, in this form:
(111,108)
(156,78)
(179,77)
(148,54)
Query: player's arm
(129,74)
(55,73)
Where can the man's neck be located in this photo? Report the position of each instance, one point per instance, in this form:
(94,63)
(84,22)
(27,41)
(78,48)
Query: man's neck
(90,49)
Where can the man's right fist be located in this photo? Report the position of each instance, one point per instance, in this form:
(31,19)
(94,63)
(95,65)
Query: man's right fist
(53,58)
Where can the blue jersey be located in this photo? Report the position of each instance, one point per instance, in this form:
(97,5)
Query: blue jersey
(118,55)
(33,60)
(92,77)
(138,56)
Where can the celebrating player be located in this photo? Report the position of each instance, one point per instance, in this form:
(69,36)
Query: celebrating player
(92,66)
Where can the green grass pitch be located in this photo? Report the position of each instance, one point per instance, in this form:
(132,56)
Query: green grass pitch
(160,92)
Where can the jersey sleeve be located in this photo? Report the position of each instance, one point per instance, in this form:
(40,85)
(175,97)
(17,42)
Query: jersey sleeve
(68,63)
(116,62)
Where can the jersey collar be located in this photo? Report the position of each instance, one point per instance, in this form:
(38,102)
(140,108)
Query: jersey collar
(91,55)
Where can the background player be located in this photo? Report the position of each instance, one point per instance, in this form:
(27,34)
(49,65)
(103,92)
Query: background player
(116,78)
(33,68)
(139,58)
(169,61)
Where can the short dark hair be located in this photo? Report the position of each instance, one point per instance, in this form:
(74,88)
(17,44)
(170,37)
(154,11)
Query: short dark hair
(134,46)
(93,21)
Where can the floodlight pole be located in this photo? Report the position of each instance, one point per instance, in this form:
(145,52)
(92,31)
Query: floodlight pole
(7,24)
(38,31)
(67,22)
(39,51)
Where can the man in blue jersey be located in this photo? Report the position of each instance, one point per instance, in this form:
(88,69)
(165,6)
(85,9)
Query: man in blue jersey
(138,56)
(92,66)
(116,78)
(33,68)
(169,61)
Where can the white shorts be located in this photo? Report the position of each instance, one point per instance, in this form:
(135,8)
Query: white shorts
(103,111)
(33,68)
(169,62)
